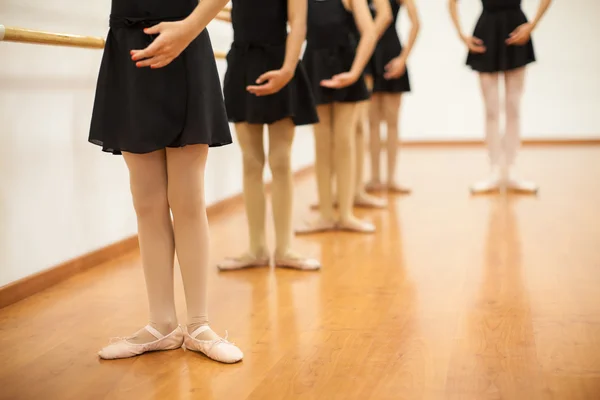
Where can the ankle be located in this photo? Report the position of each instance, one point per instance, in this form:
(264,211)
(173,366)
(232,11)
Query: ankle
(164,327)
(260,251)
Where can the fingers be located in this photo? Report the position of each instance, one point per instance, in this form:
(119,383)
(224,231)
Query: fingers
(265,77)
(154,30)
(148,52)
(262,90)
(476,40)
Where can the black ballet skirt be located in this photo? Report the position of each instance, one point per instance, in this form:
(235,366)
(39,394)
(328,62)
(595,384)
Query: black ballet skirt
(140,110)
(259,42)
(498,19)
(330,50)
(387,48)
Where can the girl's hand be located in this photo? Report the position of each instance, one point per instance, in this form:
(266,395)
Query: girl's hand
(474,44)
(275,81)
(395,68)
(340,80)
(173,38)
(521,35)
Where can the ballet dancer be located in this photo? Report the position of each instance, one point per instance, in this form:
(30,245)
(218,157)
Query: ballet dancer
(161,107)
(335,65)
(265,84)
(390,81)
(382,20)
(501,44)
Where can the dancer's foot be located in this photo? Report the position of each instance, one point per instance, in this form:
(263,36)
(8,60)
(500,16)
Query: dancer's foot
(317,226)
(396,188)
(365,200)
(246,260)
(521,186)
(490,184)
(296,261)
(145,340)
(353,224)
(205,341)
(374,186)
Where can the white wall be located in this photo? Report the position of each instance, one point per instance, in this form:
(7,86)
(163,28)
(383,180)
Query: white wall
(562,88)
(61,197)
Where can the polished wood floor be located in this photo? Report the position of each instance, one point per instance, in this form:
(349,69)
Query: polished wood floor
(455,297)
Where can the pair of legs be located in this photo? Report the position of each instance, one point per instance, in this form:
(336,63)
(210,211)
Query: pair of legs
(165,181)
(502,149)
(335,141)
(281,137)
(385,107)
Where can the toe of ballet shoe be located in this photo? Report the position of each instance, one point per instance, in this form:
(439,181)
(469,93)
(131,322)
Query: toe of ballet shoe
(122,348)
(218,350)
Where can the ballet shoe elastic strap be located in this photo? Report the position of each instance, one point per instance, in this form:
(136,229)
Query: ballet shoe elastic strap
(154,332)
(198,331)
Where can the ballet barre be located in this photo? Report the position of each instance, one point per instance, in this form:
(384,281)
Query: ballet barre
(22,35)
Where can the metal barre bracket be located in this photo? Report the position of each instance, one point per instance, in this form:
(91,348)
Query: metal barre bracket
(2,30)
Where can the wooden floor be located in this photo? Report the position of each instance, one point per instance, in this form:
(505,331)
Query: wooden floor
(455,297)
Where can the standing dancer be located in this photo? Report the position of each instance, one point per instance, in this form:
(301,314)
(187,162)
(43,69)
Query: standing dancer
(335,64)
(501,43)
(160,106)
(266,84)
(390,81)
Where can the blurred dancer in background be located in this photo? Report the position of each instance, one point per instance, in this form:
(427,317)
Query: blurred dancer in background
(390,81)
(335,66)
(501,44)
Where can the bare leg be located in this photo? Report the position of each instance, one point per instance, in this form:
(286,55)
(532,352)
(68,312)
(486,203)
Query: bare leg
(375,117)
(323,164)
(281,137)
(489,89)
(250,138)
(344,131)
(391,110)
(148,180)
(514,82)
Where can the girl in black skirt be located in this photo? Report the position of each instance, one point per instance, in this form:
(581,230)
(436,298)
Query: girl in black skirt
(335,65)
(159,103)
(265,84)
(501,43)
(390,81)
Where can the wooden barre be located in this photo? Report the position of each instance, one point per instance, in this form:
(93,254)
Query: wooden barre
(21,35)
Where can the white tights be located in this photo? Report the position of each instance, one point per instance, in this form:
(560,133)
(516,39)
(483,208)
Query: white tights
(503,146)
(162,182)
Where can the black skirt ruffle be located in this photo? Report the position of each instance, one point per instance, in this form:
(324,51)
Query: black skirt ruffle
(140,110)
(493,28)
(245,63)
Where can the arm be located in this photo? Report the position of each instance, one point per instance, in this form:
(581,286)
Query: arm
(366,45)
(522,34)
(277,79)
(475,45)
(224,16)
(397,66)
(455,18)
(174,37)
(383,16)
(414,27)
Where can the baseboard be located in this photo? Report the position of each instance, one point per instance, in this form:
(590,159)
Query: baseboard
(30,285)
(593,141)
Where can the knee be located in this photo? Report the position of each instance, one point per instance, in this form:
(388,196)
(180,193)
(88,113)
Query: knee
(254,163)
(492,113)
(186,202)
(150,202)
(512,108)
(280,162)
